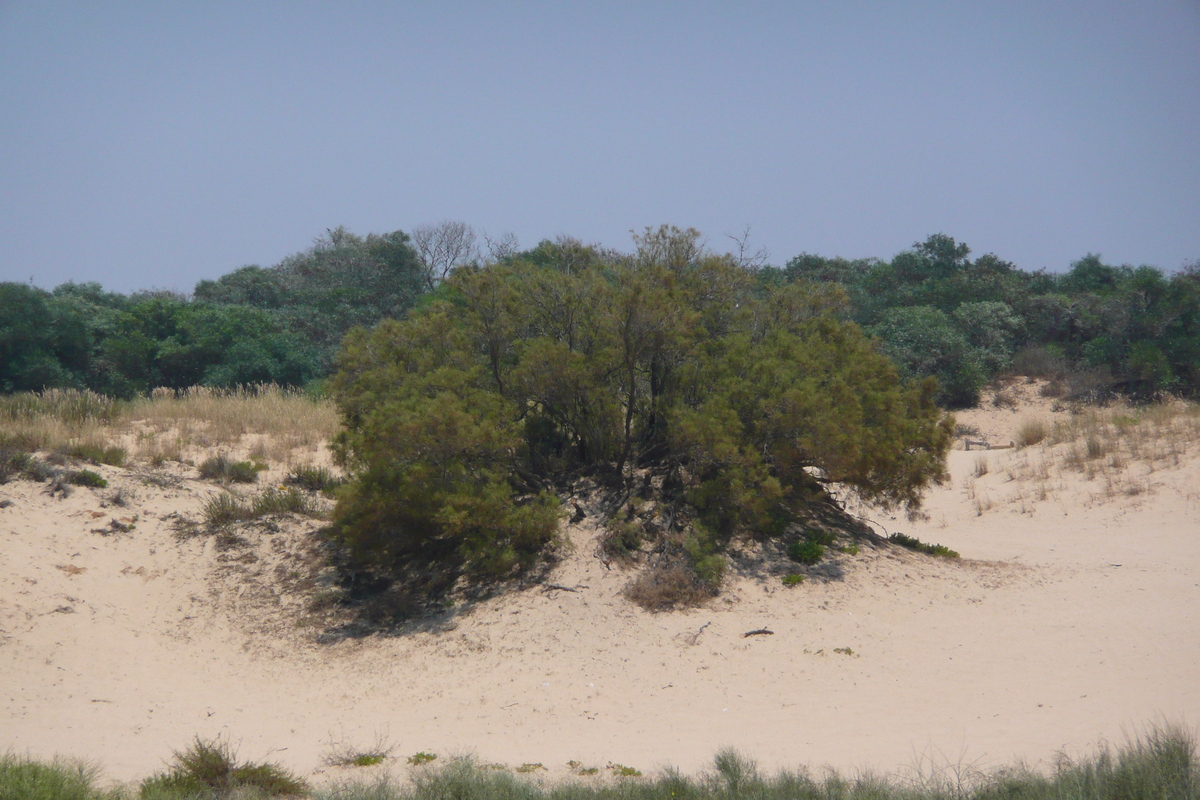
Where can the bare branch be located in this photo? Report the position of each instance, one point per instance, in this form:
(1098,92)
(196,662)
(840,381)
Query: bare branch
(743,257)
(503,247)
(443,248)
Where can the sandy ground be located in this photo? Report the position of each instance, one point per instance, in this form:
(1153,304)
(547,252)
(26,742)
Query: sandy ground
(1069,621)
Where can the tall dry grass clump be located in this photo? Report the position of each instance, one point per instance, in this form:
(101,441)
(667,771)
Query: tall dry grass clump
(267,420)
(1116,451)
(225,415)
(1031,432)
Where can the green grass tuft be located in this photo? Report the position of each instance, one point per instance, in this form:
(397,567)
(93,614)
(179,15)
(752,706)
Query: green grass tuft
(226,508)
(96,453)
(85,477)
(417,759)
(210,769)
(313,479)
(27,779)
(220,468)
(806,552)
(913,543)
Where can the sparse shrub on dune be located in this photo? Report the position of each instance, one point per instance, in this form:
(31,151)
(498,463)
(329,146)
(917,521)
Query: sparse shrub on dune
(313,479)
(13,462)
(85,477)
(226,508)
(95,452)
(669,585)
(913,543)
(210,769)
(223,469)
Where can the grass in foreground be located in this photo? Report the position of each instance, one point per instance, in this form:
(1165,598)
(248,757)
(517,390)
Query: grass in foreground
(1161,765)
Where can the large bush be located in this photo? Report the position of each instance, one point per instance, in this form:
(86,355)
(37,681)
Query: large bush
(463,419)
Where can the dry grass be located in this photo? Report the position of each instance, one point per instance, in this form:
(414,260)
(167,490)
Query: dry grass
(1031,432)
(1114,451)
(267,422)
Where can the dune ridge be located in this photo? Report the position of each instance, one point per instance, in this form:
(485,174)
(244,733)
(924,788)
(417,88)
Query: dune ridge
(1068,621)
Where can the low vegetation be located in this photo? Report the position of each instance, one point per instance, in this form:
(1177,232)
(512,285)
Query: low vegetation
(1117,451)
(209,768)
(913,543)
(1162,765)
(224,509)
(267,422)
(223,469)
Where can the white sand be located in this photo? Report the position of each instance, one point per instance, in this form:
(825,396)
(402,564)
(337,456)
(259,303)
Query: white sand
(1068,621)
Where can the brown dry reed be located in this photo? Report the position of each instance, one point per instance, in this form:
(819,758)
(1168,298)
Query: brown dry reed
(265,421)
(1117,450)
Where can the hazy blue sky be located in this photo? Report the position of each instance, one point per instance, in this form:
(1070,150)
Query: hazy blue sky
(158,143)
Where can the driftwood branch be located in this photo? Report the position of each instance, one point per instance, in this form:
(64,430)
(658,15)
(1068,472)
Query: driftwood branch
(758,632)
(693,638)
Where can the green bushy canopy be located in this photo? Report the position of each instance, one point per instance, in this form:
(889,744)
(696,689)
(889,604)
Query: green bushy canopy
(463,418)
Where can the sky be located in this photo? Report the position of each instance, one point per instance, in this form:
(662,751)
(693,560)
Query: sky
(152,145)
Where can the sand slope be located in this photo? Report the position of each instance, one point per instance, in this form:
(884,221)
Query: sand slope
(1068,621)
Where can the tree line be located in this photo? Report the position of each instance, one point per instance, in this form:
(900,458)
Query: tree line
(1098,328)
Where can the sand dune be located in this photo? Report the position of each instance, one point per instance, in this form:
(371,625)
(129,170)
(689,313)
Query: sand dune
(1069,620)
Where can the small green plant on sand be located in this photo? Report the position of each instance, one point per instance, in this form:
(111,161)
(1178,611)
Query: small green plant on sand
(806,552)
(26,779)
(224,509)
(850,549)
(793,579)
(622,771)
(913,543)
(417,759)
(313,479)
(85,477)
(528,767)
(96,453)
(343,755)
(224,470)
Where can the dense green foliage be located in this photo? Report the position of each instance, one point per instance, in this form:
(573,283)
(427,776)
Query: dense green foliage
(1098,329)
(280,325)
(1102,329)
(747,400)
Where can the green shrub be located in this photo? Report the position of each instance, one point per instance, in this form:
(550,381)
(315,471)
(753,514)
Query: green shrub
(465,418)
(12,463)
(220,468)
(793,579)
(913,543)
(226,508)
(222,509)
(419,758)
(38,470)
(95,453)
(282,501)
(826,538)
(313,479)
(28,779)
(806,552)
(208,768)
(85,477)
